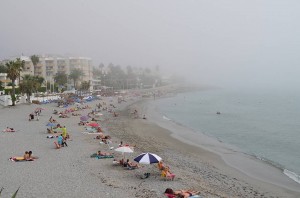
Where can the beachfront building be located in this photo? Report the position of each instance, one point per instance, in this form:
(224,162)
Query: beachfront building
(4,80)
(84,64)
(27,70)
(49,66)
(96,84)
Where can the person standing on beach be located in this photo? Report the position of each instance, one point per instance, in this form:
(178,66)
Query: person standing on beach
(64,132)
(60,140)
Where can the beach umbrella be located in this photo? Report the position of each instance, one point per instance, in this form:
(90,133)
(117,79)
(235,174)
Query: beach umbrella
(124,149)
(93,124)
(50,124)
(84,118)
(147,158)
(40,108)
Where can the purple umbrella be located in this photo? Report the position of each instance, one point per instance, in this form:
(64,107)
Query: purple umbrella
(84,118)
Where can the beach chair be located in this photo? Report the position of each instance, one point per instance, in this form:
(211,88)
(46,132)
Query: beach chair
(167,176)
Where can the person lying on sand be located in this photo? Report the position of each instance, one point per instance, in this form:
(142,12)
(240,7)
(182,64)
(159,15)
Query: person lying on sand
(181,193)
(131,164)
(9,129)
(99,153)
(30,156)
(26,155)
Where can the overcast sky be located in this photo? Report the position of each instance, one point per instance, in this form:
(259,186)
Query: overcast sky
(232,42)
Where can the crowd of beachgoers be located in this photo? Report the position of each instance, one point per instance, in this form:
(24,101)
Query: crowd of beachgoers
(107,147)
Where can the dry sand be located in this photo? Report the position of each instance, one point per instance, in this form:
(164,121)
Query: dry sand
(70,172)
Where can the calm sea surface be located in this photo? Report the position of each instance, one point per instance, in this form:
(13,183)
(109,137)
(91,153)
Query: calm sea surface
(265,124)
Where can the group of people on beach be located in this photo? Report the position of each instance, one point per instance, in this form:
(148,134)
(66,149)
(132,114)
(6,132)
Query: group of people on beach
(37,112)
(164,169)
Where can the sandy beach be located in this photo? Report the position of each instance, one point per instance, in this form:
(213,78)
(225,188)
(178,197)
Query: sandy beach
(70,172)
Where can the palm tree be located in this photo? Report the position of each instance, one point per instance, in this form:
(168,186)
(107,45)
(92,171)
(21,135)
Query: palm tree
(35,60)
(2,68)
(29,85)
(75,74)
(13,72)
(61,79)
(1,87)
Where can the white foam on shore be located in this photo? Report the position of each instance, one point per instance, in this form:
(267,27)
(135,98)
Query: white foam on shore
(166,118)
(292,175)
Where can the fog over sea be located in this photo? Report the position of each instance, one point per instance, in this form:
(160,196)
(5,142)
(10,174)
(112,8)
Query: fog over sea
(264,124)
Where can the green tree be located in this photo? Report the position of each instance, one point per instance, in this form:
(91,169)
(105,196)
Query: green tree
(35,60)
(1,87)
(39,79)
(13,72)
(97,73)
(75,74)
(29,85)
(2,68)
(61,79)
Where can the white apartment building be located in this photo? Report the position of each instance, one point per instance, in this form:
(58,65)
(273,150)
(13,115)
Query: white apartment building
(48,66)
(27,70)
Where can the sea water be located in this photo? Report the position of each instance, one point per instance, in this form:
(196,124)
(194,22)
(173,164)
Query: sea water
(264,124)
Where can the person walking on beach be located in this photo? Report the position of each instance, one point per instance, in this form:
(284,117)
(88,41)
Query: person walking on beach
(64,132)
(64,142)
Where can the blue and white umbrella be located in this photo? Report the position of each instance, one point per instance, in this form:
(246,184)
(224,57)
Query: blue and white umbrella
(50,124)
(147,158)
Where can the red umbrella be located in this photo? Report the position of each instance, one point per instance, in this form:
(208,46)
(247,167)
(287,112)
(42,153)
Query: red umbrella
(93,124)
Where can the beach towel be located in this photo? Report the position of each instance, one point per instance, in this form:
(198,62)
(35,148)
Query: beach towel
(94,155)
(9,130)
(19,159)
(98,133)
(173,196)
(52,136)
(195,196)
(104,156)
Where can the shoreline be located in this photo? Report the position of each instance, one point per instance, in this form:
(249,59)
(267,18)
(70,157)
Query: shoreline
(82,176)
(232,156)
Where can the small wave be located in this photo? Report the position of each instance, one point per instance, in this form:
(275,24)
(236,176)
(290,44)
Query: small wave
(166,118)
(292,175)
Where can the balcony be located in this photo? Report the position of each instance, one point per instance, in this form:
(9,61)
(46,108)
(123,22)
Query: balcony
(49,68)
